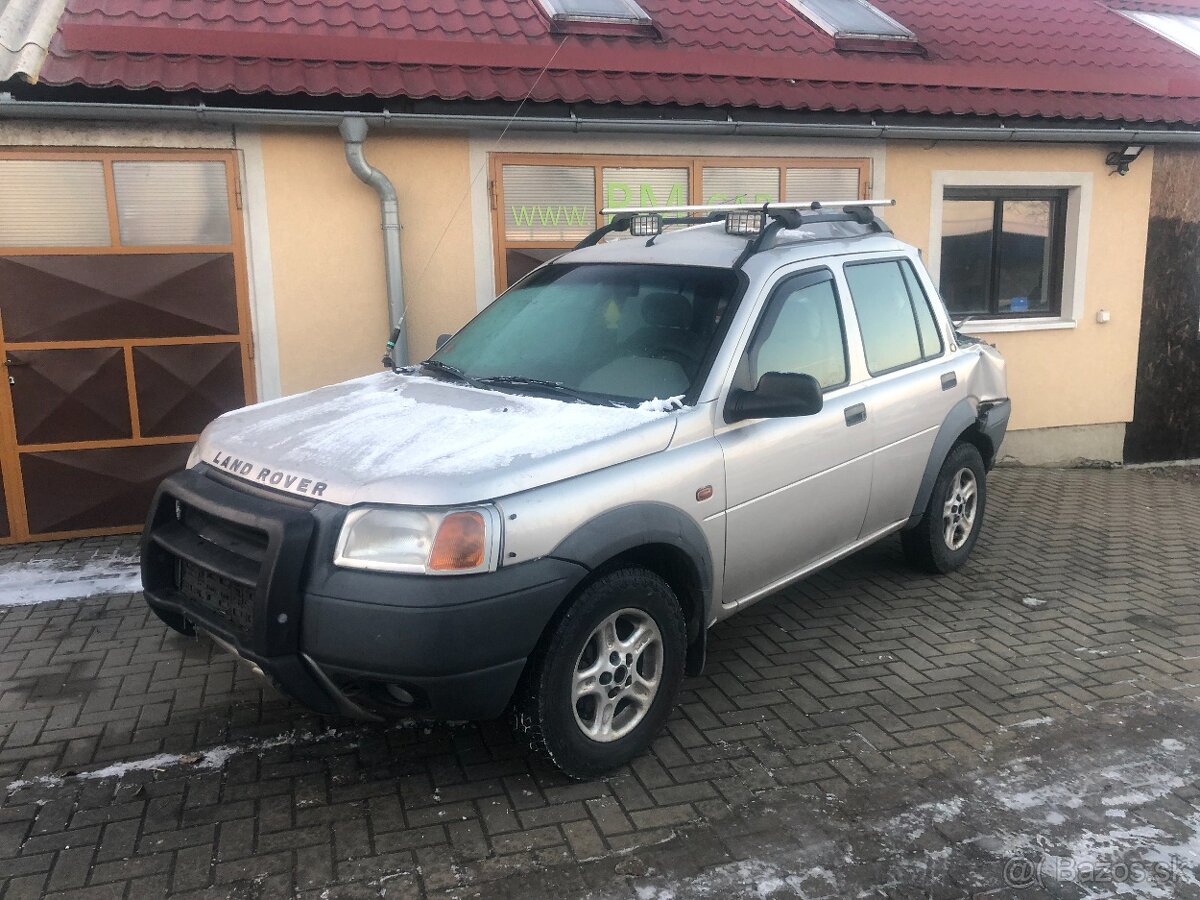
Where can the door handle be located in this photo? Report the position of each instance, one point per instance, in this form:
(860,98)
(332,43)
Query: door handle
(856,414)
(15,362)
(949,380)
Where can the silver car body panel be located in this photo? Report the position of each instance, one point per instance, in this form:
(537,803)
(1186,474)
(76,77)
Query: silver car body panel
(787,495)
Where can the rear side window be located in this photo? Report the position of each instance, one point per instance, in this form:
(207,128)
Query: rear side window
(894,315)
(801,331)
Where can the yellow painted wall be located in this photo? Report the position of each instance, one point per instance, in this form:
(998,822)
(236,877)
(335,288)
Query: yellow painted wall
(327,250)
(1080,376)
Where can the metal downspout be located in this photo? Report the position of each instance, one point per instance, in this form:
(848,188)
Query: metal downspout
(354,131)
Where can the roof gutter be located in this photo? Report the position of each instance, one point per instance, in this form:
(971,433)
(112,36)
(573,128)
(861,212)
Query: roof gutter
(12,108)
(353,130)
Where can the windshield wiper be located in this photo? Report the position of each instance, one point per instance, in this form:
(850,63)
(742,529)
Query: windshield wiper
(453,371)
(520,381)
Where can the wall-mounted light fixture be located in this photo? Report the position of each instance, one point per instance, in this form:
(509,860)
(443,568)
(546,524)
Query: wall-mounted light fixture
(1121,160)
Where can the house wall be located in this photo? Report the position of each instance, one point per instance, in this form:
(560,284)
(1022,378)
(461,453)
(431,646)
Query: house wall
(1072,382)
(327,253)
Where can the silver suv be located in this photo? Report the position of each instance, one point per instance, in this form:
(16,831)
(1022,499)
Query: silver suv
(633,443)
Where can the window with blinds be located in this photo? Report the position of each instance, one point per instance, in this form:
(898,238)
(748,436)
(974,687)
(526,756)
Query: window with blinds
(726,184)
(823,184)
(545,204)
(549,203)
(53,203)
(171,202)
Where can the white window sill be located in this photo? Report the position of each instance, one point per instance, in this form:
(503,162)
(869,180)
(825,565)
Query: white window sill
(995,326)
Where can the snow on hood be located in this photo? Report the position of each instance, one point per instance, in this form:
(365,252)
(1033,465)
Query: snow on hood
(397,438)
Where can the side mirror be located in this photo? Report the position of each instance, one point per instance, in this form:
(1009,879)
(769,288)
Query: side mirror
(441,341)
(778,395)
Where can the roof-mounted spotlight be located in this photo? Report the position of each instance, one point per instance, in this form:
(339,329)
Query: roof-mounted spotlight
(1121,160)
(645,225)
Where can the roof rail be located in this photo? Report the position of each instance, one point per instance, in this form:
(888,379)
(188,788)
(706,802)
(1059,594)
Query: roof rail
(770,208)
(785,215)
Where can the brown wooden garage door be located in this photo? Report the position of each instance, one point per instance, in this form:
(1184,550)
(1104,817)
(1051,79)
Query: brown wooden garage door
(124,329)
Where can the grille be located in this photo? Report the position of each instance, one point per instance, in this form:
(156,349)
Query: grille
(231,601)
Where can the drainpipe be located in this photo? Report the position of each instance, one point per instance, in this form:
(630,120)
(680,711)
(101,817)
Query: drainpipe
(354,132)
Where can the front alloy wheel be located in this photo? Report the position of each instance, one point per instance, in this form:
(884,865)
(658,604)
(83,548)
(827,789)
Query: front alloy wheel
(617,675)
(603,681)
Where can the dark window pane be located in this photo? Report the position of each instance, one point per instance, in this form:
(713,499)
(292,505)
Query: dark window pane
(803,335)
(967,254)
(520,263)
(1025,257)
(885,315)
(931,338)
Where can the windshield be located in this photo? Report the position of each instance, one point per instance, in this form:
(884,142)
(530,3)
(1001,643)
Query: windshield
(605,331)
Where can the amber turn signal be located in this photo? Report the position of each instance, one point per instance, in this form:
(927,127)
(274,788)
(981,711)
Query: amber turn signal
(461,543)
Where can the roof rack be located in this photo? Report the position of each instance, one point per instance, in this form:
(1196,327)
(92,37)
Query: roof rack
(747,219)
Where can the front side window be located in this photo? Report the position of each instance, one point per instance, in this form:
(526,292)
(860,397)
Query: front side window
(894,315)
(801,332)
(608,331)
(1002,252)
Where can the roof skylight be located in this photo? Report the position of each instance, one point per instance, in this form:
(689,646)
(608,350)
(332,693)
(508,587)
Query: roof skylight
(1182,30)
(856,19)
(617,11)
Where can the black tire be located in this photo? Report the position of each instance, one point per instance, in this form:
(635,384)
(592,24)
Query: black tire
(545,710)
(927,545)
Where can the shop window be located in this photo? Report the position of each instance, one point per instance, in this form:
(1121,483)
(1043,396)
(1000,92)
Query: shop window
(724,184)
(544,205)
(53,203)
(549,203)
(626,187)
(819,183)
(175,203)
(1002,252)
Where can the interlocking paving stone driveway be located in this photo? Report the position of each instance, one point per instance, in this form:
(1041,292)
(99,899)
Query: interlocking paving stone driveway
(869,729)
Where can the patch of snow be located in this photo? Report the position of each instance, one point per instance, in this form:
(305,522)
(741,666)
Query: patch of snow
(1034,723)
(1171,745)
(213,758)
(390,425)
(46,580)
(670,404)
(750,879)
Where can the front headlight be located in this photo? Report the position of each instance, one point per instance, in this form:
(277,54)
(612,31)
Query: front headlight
(423,541)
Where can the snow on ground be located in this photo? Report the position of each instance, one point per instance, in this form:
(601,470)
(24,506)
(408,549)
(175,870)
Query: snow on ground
(212,758)
(43,580)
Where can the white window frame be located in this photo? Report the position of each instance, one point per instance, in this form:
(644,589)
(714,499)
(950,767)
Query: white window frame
(1079,188)
(833,30)
(636,15)
(1153,21)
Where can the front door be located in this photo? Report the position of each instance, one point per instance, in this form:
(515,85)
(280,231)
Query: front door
(123,327)
(798,487)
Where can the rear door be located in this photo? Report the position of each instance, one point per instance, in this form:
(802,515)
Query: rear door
(913,383)
(797,488)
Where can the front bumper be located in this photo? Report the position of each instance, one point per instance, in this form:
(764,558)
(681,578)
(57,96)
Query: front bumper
(253,569)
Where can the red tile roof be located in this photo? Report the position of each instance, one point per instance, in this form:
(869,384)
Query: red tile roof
(1069,59)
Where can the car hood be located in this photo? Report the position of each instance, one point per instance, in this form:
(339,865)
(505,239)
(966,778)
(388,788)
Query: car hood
(401,438)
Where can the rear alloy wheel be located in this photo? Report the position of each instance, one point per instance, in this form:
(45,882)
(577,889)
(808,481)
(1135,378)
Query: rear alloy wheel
(947,532)
(603,683)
